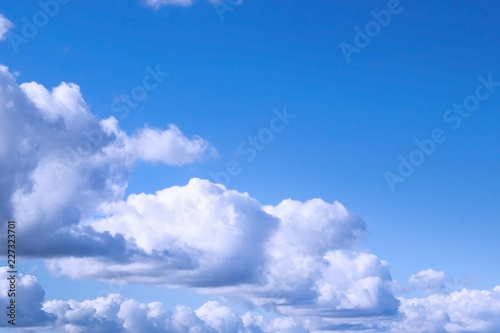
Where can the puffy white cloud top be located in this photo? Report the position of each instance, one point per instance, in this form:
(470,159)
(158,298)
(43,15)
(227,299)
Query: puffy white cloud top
(205,236)
(297,256)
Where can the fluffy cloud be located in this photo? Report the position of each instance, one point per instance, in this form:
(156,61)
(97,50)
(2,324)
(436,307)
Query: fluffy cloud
(297,263)
(63,163)
(298,258)
(197,235)
(114,313)
(428,280)
(5,26)
(461,311)
(313,267)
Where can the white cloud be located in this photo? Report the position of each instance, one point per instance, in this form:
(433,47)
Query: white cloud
(63,163)
(297,257)
(5,26)
(220,318)
(200,234)
(461,311)
(158,3)
(428,280)
(115,313)
(260,324)
(169,147)
(296,262)
(313,268)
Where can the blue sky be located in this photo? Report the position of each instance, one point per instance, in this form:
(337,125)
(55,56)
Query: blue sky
(352,118)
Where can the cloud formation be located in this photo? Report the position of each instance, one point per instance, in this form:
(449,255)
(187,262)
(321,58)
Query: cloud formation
(5,26)
(461,311)
(69,175)
(197,235)
(298,258)
(63,163)
(296,263)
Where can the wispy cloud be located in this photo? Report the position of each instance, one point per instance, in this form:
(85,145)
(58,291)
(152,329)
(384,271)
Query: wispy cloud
(428,280)
(159,3)
(297,257)
(5,26)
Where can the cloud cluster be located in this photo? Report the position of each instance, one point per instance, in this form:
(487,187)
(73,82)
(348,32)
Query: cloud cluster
(297,263)
(461,311)
(5,26)
(63,163)
(115,313)
(297,257)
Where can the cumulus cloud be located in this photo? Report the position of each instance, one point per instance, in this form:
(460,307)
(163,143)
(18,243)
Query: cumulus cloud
(29,296)
(313,267)
(428,280)
(200,234)
(63,163)
(298,258)
(69,175)
(297,263)
(5,26)
(115,313)
(461,311)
